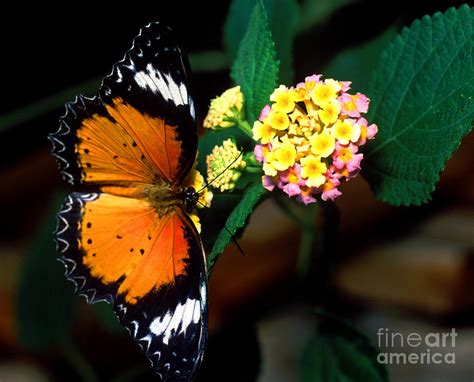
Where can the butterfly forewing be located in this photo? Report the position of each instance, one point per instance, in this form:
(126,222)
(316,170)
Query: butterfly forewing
(153,79)
(143,120)
(117,244)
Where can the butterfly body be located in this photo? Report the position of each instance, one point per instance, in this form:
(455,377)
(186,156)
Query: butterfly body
(164,196)
(131,240)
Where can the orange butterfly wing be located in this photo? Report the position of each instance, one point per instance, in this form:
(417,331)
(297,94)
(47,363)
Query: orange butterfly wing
(118,245)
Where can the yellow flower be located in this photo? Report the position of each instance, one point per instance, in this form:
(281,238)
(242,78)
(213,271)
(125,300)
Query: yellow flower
(313,170)
(330,112)
(268,168)
(228,105)
(263,132)
(322,144)
(314,126)
(280,89)
(196,221)
(309,85)
(278,120)
(345,131)
(284,156)
(299,94)
(333,84)
(324,93)
(297,141)
(224,166)
(345,154)
(284,102)
(303,149)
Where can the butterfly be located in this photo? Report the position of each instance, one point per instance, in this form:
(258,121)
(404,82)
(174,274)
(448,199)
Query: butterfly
(126,235)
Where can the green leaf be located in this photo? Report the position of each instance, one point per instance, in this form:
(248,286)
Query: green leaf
(256,69)
(422,102)
(279,12)
(338,352)
(208,61)
(358,64)
(45,301)
(316,12)
(236,220)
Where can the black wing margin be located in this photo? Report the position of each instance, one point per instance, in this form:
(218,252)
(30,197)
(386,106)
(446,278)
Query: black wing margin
(65,139)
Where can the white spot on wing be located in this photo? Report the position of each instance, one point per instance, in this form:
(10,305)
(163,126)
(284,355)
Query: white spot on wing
(153,80)
(119,75)
(184,315)
(184,92)
(175,90)
(191,108)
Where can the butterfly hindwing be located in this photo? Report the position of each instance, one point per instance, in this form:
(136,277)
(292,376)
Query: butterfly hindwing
(150,267)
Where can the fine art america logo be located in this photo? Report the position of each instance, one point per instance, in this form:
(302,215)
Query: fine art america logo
(414,348)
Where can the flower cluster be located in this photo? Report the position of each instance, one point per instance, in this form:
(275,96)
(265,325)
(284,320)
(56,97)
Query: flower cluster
(224,166)
(224,109)
(310,137)
(196,180)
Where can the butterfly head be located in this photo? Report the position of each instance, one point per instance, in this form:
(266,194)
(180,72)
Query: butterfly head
(190,198)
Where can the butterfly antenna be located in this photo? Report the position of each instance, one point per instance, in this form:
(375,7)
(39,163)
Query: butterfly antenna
(222,172)
(231,235)
(235,241)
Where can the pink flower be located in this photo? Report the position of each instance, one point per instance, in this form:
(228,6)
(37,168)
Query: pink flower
(346,161)
(354,164)
(330,191)
(353,105)
(345,85)
(291,180)
(366,132)
(268,182)
(258,152)
(372,131)
(292,189)
(313,78)
(306,197)
(293,175)
(362,102)
(343,154)
(263,114)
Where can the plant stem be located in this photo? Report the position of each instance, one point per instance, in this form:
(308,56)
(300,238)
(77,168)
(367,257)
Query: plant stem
(245,127)
(286,208)
(309,236)
(327,249)
(253,169)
